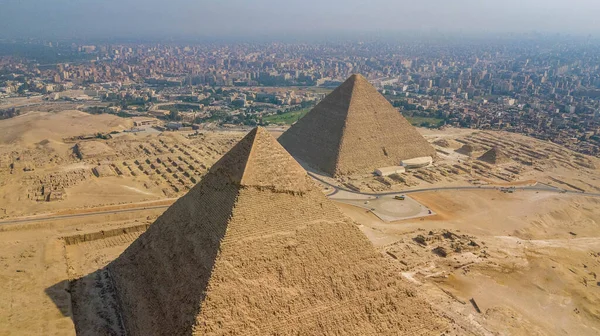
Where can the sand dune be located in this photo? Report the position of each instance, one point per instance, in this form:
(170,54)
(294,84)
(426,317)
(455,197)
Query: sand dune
(35,127)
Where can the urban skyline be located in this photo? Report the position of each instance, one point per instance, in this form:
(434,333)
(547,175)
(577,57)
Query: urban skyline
(546,88)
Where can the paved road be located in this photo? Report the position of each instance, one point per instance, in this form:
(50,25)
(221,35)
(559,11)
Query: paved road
(87,214)
(538,187)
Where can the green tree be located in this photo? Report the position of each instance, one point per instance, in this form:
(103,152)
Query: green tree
(174,115)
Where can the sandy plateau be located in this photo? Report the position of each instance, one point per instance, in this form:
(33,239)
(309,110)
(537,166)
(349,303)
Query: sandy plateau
(528,261)
(51,162)
(493,262)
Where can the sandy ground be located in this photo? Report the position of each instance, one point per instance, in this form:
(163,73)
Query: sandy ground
(35,271)
(34,127)
(20,101)
(533,271)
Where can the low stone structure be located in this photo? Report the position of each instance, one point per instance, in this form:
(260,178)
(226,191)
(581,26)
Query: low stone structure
(386,171)
(103,171)
(93,150)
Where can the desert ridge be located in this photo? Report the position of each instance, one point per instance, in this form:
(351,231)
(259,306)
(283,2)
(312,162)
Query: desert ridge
(247,252)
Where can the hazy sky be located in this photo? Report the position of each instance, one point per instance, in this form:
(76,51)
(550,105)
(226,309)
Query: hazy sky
(133,18)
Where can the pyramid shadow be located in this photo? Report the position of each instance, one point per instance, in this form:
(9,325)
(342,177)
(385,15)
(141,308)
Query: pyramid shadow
(61,296)
(165,257)
(95,305)
(100,302)
(178,252)
(86,301)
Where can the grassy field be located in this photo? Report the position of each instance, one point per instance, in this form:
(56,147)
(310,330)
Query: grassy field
(286,118)
(180,107)
(422,121)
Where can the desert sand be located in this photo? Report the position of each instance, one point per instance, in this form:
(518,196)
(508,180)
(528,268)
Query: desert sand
(34,127)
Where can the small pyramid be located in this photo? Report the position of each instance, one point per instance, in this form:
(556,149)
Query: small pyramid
(257,249)
(447,143)
(469,149)
(495,156)
(354,130)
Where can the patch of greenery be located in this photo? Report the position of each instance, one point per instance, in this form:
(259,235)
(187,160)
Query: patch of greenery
(425,121)
(287,118)
(181,107)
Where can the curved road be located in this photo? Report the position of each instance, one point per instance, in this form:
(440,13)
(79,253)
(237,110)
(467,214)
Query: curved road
(543,187)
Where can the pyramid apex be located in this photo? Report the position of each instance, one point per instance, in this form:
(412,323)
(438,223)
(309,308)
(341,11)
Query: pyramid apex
(260,131)
(259,161)
(354,78)
(495,149)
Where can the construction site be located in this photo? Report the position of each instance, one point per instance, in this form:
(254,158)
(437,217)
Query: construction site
(225,232)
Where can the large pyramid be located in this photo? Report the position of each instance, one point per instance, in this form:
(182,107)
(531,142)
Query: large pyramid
(354,130)
(256,249)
